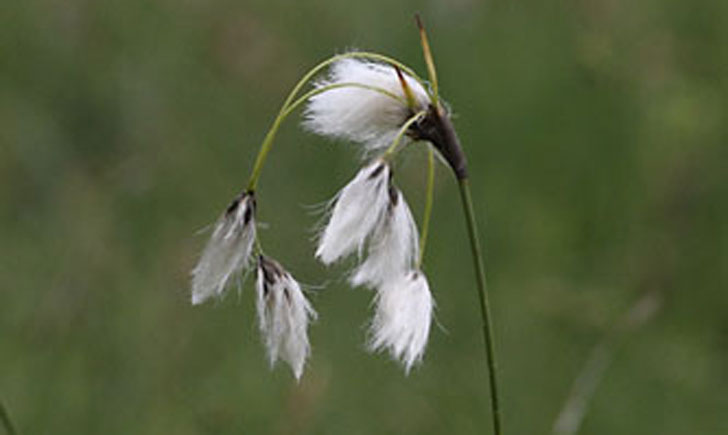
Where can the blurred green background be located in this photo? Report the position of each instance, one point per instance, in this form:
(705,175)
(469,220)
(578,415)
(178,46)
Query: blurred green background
(597,138)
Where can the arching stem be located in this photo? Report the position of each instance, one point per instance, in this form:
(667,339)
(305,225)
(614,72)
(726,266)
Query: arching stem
(429,199)
(392,150)
(287,110)
(353,54)
(268,141)
(484,302)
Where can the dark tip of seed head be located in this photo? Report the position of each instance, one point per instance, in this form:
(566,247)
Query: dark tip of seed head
(271,270)
(236,203)
(378,170)
(268,276)
(247,216)
(233,205)
(393,196)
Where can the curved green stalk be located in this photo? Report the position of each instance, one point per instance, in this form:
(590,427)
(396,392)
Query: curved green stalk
(353,54)
(257,247)
(429,199)
(402,131)
(288,104)
(484,303)
(287,109)
(449,147)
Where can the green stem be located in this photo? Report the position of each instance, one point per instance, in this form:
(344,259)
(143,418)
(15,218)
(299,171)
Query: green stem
(257,247)
(484,304)
(287,109)
(391,151)
(7,422)
(288,105)
(284,113)
(354,54)
(429,199)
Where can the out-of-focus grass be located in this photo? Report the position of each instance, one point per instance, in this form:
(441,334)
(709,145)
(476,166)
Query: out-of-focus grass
(596,133)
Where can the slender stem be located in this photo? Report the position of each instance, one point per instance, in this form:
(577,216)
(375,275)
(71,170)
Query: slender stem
(263,152)
(402,131)
(268,141)
(354,54)
(484,304)
(257,246)
(6,421)
(429,199)
(287,109)
(313,92)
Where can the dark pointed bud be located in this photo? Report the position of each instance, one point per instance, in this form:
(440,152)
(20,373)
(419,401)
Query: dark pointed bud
(436,128)
(272,271)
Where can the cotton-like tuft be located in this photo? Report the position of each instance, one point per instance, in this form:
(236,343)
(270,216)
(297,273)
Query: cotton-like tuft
(357,209)
(363,115)
(284,314)
(228,250)
(402,320)
(392,248)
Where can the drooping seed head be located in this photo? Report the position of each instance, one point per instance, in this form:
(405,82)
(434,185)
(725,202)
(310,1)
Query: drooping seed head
(401,324)
(284,314)
(393,247)
(363,115)
(356,211)
(228,250)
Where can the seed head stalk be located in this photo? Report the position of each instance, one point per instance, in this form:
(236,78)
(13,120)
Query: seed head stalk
(429,200)
(467,201)
(287,109)
(289,105)
(449,147)
(392,150)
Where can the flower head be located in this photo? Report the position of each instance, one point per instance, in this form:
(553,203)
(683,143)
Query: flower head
(402,320)
(392,248)
(360,113)
(357,210)
(228,250)
(283,314)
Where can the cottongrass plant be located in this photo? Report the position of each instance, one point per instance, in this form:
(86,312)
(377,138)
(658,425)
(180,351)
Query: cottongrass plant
(383,106)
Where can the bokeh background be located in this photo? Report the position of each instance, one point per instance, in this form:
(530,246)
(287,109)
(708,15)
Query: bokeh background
(596,133)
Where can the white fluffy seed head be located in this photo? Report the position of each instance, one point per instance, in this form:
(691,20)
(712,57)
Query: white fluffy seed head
(363,115)
(228,250)
(284,314)
(402,320)
(356,210)
(392,248)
